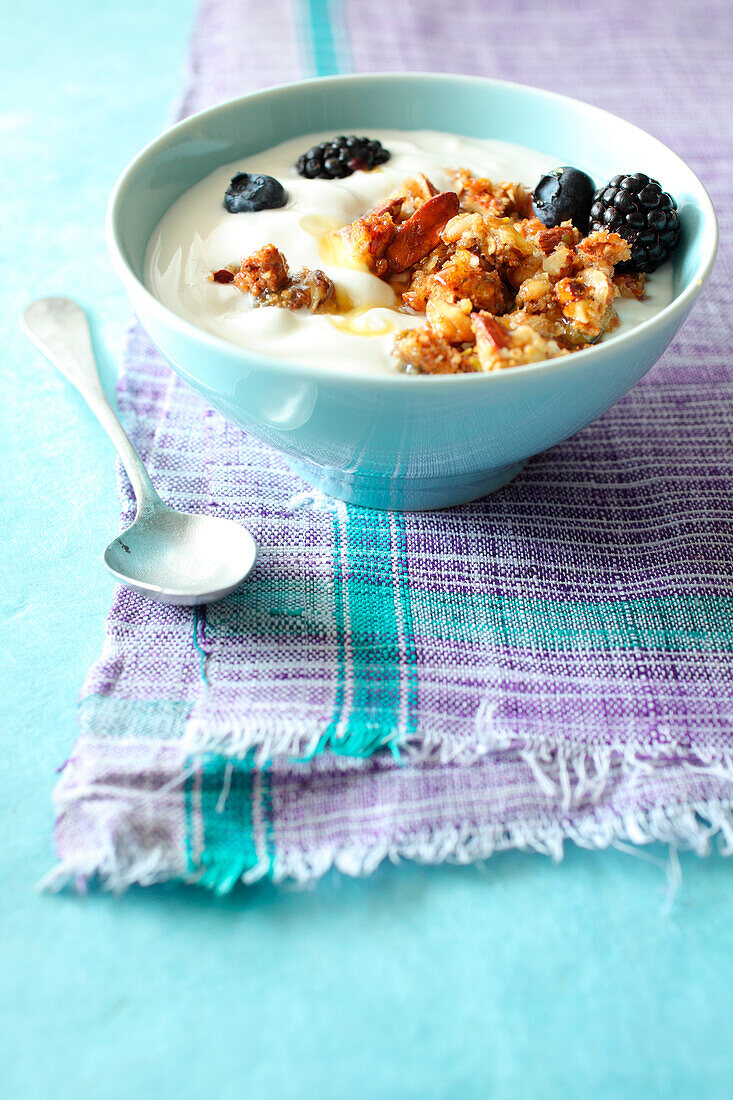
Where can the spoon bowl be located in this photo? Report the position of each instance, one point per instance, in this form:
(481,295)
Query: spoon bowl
(173,556)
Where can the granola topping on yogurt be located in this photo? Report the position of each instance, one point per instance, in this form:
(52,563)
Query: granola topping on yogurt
(431,262)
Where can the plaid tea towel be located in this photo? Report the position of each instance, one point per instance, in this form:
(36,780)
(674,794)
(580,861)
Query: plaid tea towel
(551,663)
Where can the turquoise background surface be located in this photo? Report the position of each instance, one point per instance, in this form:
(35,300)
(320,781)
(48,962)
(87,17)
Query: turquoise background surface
(519,979)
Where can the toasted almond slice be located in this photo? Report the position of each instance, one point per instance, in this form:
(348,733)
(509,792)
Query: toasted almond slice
(488,330)
(549,239)
(421,233)
(392,206)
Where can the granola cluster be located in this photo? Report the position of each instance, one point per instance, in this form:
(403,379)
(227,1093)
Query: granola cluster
(266,277)
(497,287)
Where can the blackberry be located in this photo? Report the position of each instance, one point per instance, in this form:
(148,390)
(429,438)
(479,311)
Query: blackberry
(638,210)
(247,193)
(564,194)
(339,157)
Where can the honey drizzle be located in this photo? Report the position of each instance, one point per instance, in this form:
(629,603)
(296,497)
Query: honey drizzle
(332,250)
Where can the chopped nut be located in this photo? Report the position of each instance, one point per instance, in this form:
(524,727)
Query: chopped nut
(548,239)
(450,320)
(308,289)
(421,233)
(498,347)
(630,286)
(604,250)
(489,332)
(561,263)
(585,298)
(551,325)
(421,351)
(466,275)
(535,293)
(484,197)
(416,294)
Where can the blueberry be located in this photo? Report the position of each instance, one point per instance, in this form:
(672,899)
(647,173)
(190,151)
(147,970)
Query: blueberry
(247,193)
(564,194)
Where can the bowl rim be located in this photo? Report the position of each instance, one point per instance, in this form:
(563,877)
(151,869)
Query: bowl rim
(680,304)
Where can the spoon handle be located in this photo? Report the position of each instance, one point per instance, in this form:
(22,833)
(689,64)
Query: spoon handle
(60,329)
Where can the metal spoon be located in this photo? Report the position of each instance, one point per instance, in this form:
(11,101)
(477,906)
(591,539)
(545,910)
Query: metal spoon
(169,556)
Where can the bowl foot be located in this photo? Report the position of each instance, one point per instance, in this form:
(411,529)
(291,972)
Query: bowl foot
(404,494)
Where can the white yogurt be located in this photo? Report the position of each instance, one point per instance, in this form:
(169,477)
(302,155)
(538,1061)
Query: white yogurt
(197,236)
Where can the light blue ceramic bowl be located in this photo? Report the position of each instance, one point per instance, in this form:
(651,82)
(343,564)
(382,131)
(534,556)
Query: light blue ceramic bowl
(404,441)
